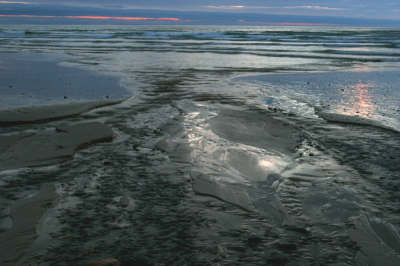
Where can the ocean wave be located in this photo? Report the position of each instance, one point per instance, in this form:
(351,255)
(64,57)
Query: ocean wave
(350,45)
(367,53)
(254,42)
(336,38)
(31,32)
(12,34)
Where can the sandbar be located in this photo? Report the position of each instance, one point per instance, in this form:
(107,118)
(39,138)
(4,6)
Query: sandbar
(257,130)
(50,147)
(40,114)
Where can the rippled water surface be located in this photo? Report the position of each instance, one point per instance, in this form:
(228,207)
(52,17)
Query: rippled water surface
(237,146)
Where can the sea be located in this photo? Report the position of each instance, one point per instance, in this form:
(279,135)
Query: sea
(304,121)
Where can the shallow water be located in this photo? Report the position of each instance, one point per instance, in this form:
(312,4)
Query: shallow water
(201,109)
(28,79)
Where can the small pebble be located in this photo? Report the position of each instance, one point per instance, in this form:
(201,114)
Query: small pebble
(124,201)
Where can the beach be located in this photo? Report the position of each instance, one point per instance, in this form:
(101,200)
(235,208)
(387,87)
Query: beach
(187,146)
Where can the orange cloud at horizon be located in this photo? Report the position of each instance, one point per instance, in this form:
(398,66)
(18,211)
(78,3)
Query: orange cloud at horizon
(91,17)
(123,18)
(168,19)
(100,17)
(27,16)
(318,7)
(12,2)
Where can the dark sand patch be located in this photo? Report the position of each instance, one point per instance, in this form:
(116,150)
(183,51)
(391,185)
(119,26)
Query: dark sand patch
(39,114)
(25,214)
(49,147)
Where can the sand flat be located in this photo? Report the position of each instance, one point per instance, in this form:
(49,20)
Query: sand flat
(203,184)
(39,114)
(257,130)
(50,146)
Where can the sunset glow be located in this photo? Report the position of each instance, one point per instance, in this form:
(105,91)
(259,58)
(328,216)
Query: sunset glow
(251,12)
(91,17)
(364,104)
(99,17)
(27,16)
(319,7)
(12,2)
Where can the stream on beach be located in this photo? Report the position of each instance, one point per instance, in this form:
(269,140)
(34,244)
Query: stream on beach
(249,146)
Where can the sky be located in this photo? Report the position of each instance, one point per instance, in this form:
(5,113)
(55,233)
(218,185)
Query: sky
(203,12)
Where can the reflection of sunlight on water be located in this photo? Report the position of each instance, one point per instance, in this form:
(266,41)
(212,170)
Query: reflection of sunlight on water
(223,160)
(273,164)
(265,163)
(358,101)
(364,105)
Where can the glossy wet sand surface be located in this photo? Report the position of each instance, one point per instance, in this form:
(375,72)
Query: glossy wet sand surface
(202,169)
(302,198)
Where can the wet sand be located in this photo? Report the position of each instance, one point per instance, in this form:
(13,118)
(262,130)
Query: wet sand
(191,183)
(41,148)
(41,114)
(25,214)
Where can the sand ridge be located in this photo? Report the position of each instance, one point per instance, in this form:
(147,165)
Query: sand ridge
(40,114)
(49,147)
(25,214)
